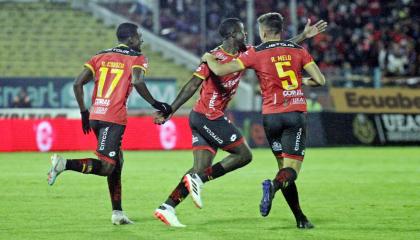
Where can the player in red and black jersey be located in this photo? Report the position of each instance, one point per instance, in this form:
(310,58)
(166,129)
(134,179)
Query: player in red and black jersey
(115,72)
(278,65)
(210,127)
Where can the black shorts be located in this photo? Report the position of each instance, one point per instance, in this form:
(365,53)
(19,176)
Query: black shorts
(286,134)
(213,134)
(109,136)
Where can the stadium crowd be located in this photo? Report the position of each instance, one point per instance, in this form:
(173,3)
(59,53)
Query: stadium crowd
(362,36)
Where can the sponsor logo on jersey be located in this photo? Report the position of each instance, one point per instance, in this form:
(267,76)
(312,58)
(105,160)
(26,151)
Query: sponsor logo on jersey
(102,102)
(300,100)
(298,136)
(231,83)
(233,138)
(212,134)
(194,139)
(276,146)
(103,139)
(100,110)
(213,100)
(293,93)
(112,154)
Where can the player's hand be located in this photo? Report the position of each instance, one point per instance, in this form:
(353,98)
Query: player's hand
(165,108)
(207,56)
(160,118)
(315,29)
(85,122)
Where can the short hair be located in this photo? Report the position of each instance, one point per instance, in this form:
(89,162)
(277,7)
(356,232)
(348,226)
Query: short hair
(228,26)
(126,30)
(273,21)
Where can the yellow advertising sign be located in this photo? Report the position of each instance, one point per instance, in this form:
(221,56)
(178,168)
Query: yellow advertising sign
(384,100)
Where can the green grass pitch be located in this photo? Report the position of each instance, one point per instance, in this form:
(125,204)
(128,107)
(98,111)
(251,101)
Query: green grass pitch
(348,193)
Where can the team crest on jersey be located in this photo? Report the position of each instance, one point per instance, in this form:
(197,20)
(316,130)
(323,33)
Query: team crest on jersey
(112,154)
(276,146)
(220,56)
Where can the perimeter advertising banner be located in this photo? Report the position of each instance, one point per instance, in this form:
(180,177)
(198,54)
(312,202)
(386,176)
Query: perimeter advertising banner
(61,134)
(371,129)
(58,92)
(383,100)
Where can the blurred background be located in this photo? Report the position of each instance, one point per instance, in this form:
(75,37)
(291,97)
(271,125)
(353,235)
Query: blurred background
(370,55)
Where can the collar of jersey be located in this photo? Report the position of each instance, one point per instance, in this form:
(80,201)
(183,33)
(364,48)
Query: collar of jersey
(274,40)
(122,45)
(223,50)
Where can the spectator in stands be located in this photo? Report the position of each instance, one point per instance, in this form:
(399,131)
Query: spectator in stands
(22,99)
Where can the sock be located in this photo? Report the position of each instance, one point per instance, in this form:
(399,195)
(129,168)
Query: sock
(212,172)
(114,186)
(84,165)
(291,195)
(283,178)
(177,195)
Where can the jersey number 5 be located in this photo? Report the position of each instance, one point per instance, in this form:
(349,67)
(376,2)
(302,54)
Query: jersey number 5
(289,73)
(102,77)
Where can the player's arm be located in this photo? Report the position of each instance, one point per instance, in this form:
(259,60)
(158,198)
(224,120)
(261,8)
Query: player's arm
(140,86)
(316,79)
(310,31)
(84,77)
(222,69)
(186,92)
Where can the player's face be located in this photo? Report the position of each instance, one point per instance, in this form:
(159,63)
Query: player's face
(137,40)
(239,36)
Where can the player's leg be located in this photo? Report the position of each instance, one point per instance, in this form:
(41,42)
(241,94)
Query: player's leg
(290,162)
(294,139)
(115,190)
(102,166)
(240,155)
(221,133)
(203,157)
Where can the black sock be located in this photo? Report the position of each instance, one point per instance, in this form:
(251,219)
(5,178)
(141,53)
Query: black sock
(291,195)
(283,178)
(177,195)
(114,186)
(212,172)
(84,165)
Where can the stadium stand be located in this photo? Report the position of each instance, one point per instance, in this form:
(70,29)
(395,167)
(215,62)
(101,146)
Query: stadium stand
(363,36)
(44,39)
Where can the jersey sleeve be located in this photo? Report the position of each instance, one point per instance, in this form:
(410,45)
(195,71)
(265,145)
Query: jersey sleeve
(141,62)
(91,65)
(306,58)
(248,58)
(202,71)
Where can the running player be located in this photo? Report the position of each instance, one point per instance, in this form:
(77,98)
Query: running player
(115,71)
(211,129)
(278,65)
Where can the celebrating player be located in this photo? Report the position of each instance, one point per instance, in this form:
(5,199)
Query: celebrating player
(115,71)
(278,65)
(211,129)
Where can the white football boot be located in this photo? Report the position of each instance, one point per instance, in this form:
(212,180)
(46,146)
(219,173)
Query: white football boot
(58,165)
(194,184)
(167,215)
(119,218)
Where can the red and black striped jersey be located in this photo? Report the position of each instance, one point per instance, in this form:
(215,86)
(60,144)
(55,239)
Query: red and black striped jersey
(112,70)
(279,65)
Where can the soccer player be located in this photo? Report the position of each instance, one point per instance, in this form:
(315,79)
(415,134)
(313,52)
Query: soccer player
(211,129)
(278,65)
(115,71)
